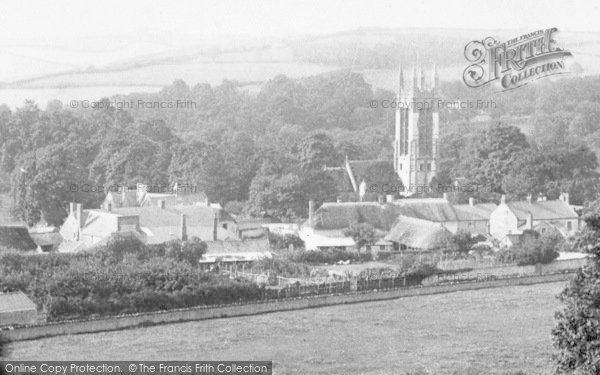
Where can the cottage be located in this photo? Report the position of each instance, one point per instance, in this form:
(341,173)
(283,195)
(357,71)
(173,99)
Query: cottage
(151,224)
(412,234)
(512,218)
(16,309)
(325,227)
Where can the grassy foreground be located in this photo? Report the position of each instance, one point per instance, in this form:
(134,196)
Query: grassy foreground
(490,331)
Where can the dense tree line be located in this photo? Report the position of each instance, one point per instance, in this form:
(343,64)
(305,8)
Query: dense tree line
(267,150)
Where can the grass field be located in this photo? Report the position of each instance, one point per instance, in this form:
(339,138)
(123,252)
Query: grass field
(493,331)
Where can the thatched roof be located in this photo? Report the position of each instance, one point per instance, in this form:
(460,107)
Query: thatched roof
(418,234)
(341,215)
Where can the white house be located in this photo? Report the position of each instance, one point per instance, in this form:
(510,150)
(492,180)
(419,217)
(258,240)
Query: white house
(512,218)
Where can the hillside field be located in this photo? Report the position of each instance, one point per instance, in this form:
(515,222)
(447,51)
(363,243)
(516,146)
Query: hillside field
(492,331)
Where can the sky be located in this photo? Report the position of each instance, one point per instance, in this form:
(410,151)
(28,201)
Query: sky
(43,21)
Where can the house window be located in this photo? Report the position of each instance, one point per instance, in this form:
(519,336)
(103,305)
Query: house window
(428,167)
(421,166)
(569,225)
(224,226)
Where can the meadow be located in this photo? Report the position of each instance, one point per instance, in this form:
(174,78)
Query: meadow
(493,331)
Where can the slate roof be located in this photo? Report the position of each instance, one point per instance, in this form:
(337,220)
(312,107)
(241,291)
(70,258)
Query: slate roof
(15,301)
(418,234)
(155,235)
(16,237)
(152,199)
(477,212)
(99,223)
(542,210)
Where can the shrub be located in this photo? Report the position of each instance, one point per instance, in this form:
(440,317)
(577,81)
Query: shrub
(533,249)
(3,347)
(326,256)
(362,233)
(576,333)
(280,242)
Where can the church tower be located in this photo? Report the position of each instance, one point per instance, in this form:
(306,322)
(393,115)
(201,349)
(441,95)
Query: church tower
(416,152)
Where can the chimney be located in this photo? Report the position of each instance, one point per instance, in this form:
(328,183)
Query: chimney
(109,207)
(72,208)
(529,221)
(183,228)
(161,203)
(389,198)
(380,199)
(529,198)
(80,214)
(503,199)
(215,226)
(471,201)
(565,198)
(311,209)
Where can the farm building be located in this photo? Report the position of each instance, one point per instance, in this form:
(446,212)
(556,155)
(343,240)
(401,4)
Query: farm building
(16,309)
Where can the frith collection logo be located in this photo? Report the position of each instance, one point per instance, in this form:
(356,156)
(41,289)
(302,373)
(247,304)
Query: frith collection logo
(516,62)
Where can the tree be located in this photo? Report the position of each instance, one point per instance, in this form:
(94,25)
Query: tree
(577,333)
(491,156)
(362,233)
(462,241)
(277,196)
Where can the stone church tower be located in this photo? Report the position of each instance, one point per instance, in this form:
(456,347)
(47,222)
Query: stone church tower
(416,151)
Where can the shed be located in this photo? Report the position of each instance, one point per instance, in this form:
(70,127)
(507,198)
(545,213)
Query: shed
(16,309)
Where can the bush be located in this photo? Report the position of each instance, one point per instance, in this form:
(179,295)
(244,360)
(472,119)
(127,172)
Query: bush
(327,256)
(3,347)
(75,286)
(279,242)
(533,249)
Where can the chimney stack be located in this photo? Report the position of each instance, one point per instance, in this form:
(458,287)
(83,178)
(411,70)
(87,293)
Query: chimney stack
(445,196)
(503,199)
(80,214)
(529,221)
(311,212)
(389,198)
(72,208)
(215,227)
(380,199)
(161,203)
(183,228)
(471,201)
(565,198)
(123,191)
